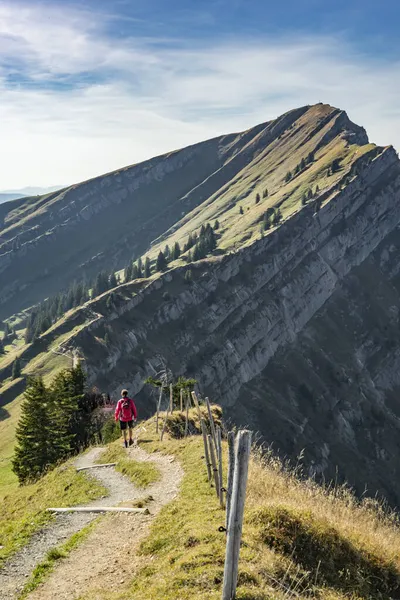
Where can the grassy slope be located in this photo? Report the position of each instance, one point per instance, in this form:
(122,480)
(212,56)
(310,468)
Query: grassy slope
(299,540)
(23,511)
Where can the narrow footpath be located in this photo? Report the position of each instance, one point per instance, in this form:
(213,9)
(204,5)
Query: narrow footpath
(106,559)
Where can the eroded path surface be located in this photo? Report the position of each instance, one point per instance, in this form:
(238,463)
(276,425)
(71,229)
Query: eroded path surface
(108,556)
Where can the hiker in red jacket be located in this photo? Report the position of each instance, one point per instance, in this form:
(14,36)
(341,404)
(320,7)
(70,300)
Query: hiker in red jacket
(126,414)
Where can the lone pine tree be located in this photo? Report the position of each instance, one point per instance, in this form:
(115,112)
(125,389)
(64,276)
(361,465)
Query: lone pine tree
(147,267)
(16,370)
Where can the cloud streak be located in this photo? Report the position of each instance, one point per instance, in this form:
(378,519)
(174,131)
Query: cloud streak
(77,101)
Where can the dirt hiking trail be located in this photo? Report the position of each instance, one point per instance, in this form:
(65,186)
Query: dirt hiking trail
(107,557)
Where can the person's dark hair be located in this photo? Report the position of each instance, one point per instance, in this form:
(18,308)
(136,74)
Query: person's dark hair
(124,393)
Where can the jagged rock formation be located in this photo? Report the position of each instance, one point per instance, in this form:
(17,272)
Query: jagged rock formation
(295,332)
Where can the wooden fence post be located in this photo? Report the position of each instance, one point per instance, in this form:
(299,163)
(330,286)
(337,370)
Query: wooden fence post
(187,416)
(214,465)
(171,398)
(159,406)
(219,449)
(206,453)
(181,394)
(231,466)
(242,456)
(196,403)
(212,426)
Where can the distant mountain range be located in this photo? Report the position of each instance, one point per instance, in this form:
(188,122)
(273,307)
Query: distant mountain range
(27,191)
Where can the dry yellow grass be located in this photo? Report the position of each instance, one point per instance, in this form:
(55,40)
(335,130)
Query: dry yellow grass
(300,540)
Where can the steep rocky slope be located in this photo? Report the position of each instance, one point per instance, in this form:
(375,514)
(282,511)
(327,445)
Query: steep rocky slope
(48,241)
(294,331)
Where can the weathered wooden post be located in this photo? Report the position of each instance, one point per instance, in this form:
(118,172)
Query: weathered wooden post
(187,416)
(181,394)
(242,456)
(158,407)
(206,453)
(219,452)
(214,465)
(231,467)
(196,403)
(171,398)
(212,426)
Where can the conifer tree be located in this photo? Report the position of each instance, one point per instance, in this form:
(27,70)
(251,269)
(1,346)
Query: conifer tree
(167,253)
(265,193)
(302,164)
(66,396)
(189,244)
(309,194)
(2,349)
(29,328)
(176,252)
(161,264)
(135,271)
(128,271)
(16,369)
(317,190)
(113,280)
(147,267)
(7,330)
(110,302)
(288,176)
(304,199)
(258,198)
(139,268)
(277,217)
(216,225)
(35,433)
(241,210)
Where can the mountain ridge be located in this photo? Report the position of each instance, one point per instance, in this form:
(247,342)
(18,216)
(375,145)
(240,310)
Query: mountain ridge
(256,320)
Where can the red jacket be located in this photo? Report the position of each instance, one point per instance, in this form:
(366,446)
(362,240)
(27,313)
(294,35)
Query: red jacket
(125,414)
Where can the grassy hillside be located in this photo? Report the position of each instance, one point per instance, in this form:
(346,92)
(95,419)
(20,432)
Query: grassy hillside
(23,509)
(48,241)
(300,540)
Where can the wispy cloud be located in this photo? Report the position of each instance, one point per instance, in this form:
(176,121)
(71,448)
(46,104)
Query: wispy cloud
(77,101)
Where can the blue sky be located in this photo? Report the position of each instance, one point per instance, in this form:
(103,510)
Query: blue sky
(92,86)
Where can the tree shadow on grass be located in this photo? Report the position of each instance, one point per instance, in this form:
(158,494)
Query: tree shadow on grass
(4,414)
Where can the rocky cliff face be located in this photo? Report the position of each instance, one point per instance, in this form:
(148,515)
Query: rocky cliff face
(295,330)
(46,242)
(297,335)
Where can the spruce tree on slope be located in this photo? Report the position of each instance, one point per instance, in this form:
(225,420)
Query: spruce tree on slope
(147,267)
(16,370)
(161,264)
(35,433)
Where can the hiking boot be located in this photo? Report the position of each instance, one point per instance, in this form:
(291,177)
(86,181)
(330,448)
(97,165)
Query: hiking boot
(131,442)
(126,444)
